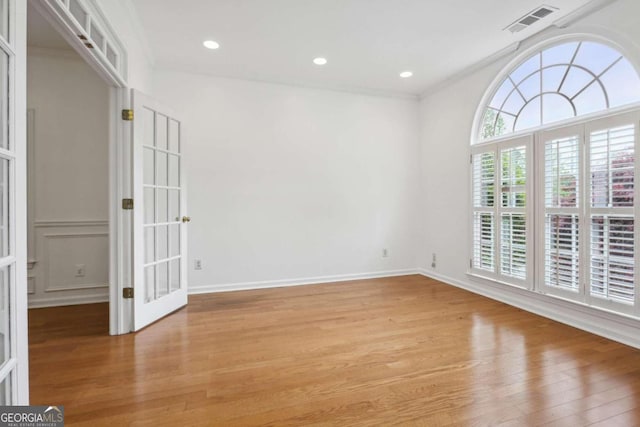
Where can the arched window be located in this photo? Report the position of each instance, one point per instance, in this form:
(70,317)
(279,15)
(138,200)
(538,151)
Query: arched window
(558,83)
(553,207)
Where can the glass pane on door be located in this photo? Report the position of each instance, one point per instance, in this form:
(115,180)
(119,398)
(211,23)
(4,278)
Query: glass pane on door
(4,208)
(149,167)
(4,19)
(4,100)
(161,131)
(161,176)
(162,217)
(149,205)
(5,391)
(175,274)
(163,279)
(149,121)
(150,283)
(174,205)
(5,326)
(174,171)
(163,241)
(150,244)
(174,136)
(162,205)
(174,240)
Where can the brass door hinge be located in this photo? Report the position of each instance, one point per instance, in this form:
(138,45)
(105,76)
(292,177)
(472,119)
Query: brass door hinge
(127,115)
(127,293)
(127,204)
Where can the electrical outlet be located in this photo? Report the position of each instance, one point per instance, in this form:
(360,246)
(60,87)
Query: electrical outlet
(385,253)
(433,260)
(197,264)
(80,270)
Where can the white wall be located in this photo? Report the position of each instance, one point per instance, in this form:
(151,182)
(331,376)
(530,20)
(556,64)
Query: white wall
(291,183)
(446,119)
(122,16)
(68,174)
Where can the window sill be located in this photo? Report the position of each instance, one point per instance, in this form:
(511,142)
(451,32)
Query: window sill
(483,280)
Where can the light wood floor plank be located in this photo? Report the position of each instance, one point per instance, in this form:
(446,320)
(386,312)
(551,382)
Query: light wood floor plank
(395,351)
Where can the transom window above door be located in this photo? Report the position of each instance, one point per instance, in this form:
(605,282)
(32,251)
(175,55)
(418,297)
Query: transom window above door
(558,83)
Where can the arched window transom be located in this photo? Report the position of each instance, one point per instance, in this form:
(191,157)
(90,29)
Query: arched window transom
(558,83)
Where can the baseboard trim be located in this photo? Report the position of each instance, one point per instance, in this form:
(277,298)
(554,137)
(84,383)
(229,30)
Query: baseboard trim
(68,300)
(245,286)
(608,325)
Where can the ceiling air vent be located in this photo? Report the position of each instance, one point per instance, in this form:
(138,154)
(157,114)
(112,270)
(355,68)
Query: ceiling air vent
(531,18)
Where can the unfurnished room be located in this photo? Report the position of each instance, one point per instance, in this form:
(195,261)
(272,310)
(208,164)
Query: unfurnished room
(319,212)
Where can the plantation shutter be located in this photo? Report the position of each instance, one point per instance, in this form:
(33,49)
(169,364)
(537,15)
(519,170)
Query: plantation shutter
(501,241)
(513,223)
(484,176)
(562,213)
(612,253)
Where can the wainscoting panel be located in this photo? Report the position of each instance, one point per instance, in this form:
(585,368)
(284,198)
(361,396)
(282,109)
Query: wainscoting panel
(76,261)
(62,248)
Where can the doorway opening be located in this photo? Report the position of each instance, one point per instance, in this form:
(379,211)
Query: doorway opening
(68,173)
(78,214)
(118,175)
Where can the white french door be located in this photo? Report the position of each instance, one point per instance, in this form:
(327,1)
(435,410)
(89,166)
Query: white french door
(159,214)
(14,361)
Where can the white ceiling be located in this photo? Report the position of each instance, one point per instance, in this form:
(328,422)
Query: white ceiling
(367,42)
(41,34)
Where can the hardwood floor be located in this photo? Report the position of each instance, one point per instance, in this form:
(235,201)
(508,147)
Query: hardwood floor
(396,351)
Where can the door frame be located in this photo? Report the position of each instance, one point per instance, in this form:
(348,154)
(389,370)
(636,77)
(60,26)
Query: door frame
(20,329)
(120,220)
(120,172)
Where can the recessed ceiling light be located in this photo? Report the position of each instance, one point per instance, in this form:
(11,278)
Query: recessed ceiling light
(210,44)
(320,61)
(406,74)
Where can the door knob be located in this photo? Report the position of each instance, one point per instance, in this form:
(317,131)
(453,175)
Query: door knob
(186,219)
